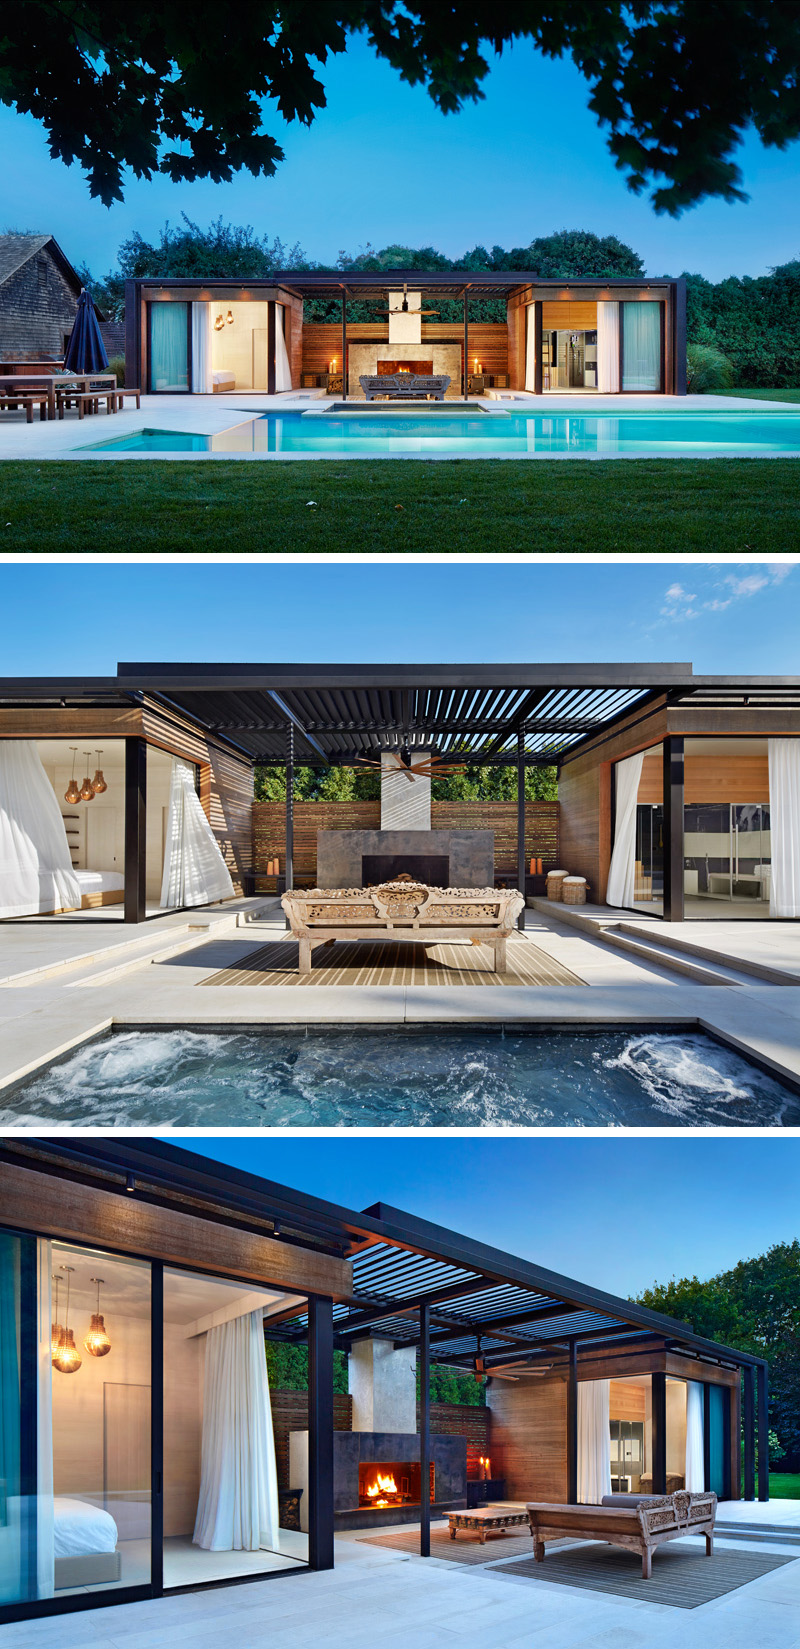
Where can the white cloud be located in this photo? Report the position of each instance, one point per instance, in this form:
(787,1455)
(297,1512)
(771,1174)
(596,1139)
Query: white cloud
(680,604)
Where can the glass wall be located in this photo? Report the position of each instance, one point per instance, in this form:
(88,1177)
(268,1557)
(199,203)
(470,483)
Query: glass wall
(169,348)
(75,1502)
(630,1418)
(727,843)
(641,346)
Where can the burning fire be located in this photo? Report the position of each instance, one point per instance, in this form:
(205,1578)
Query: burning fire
(384,1485)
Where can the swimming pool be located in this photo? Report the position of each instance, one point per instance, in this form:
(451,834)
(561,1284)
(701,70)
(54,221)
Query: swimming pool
(368,1077)
(449,432)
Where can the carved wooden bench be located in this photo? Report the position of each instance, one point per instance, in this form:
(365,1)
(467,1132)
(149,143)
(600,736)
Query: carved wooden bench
(640,1524)
(404,386)
(403,910)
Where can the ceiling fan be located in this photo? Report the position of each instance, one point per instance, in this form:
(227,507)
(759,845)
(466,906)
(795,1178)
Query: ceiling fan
(502,1371)
(427,767)
(404,309)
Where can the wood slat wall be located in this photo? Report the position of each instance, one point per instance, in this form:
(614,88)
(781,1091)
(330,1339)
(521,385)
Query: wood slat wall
(290,1413)
(269,829)
(529,1437)
(564,316)
(322,341)
(715,777)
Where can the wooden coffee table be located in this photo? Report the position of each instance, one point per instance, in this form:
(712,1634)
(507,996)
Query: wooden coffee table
(484,1520)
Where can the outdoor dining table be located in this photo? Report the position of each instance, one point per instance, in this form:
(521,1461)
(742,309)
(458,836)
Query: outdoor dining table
(50,381)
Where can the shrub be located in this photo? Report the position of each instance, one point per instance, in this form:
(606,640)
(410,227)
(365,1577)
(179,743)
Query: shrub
(708,371)
(117,365)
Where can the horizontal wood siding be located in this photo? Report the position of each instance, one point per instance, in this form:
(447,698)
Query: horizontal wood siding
(322,342)
(529,1437)
(290,1413)
(37,310)
(574,314)
(269,829)
(34,1201)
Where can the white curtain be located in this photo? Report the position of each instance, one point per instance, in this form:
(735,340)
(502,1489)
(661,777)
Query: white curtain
(608,347)
(784,824)
(238,1506)
(621,875)
(45,1541)
(283,375)
(695,1478)
(195,872)
(35,866)
(530,348)
(202,381)
(594,1441)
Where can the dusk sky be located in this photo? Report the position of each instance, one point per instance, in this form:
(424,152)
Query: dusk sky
(583,1207)
(381,164)
(720,617)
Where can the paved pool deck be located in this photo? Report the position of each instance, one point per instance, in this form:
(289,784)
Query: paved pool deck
(376,1596)
(73,440)
(63,984)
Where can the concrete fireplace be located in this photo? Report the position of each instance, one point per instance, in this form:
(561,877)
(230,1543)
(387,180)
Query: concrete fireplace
(405,348)
(405,842)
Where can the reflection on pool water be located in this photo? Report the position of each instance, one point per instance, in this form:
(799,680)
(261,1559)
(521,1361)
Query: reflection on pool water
(393,1077)
(472,432)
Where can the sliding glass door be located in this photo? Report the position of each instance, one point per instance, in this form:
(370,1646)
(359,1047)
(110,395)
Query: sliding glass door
(641,346)
(169,348)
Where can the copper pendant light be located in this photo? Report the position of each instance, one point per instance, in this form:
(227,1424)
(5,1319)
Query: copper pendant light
(56,1331)
(87,793)
(72,793)
(67,1358)
(98,782)
(97,1342)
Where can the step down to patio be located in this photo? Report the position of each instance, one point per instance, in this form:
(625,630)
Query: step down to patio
(649,949)
(771,1534)
(707,953)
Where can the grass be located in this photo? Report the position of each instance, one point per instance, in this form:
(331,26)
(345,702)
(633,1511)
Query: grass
(765,394)
(784,1486)
(668,506)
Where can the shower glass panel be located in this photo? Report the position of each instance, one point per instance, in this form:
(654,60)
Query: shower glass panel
(727,852)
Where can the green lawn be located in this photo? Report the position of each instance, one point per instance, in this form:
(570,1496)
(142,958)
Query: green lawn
(765,394)
(784,1486)
(669,506)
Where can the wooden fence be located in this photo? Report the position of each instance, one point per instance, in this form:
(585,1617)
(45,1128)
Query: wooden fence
(269,830)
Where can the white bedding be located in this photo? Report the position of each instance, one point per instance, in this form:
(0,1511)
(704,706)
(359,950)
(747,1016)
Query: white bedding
(81,1528)
(100,881)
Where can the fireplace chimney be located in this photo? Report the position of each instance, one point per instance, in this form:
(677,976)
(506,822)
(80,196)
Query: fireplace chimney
(383,1385)
(405,802)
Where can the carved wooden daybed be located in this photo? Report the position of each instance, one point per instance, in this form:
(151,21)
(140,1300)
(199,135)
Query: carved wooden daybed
(637,1521)
(403,910)
(404,386)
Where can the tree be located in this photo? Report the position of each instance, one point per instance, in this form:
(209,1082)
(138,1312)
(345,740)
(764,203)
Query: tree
(181,90)
(755,1307)
(346,784)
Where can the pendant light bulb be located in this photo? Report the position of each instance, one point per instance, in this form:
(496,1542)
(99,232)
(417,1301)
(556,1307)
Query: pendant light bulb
(99,785)
(97,1342)
(56,1331)
(87,793)
(67,1358)
(72,793)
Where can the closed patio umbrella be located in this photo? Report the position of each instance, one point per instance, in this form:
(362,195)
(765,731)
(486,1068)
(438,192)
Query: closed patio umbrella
(85,351)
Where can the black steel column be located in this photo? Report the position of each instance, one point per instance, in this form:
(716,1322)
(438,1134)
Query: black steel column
(749,1428)
(344,346)
(135,829)
(320,1434)
(466,346)
(538,378)
(762,1422)
(425,1431)
(28,1429)
(659,1432)
(673,829)
(157,1425)
(572,1425)
(289,807)
(521,861)
(272,315)
(706,1434)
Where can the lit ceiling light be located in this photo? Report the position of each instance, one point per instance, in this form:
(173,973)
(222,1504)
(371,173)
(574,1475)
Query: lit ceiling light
(218,323)
(56,1332)
(72,793)
(87,791)
(98,782)
(67,1358)
(97,1342)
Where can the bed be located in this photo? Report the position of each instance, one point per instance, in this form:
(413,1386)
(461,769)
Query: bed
(84,1544)
(100,887)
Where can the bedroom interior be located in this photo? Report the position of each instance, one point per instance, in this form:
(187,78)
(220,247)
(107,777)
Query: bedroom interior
(92,1416)
(62,831)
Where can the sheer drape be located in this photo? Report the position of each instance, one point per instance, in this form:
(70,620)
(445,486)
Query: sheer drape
(530,348)
(169,346)
(238,1506)
(695,1478)
(784,824)
(622,871)
(594,1441)
(195,872)
(641,346)
(283,375)
(35,866)
(608,347)
(202,381)
(45,1541)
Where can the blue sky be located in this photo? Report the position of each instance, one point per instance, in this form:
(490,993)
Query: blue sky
(381,164)
(73,619)
(571,1204)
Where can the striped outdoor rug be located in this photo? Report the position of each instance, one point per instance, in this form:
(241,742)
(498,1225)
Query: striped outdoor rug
(683,1577)
(466,1548)
(360,962)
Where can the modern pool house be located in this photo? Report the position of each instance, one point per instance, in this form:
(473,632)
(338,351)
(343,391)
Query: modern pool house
(193,337)
(143,1451)
(128,796)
